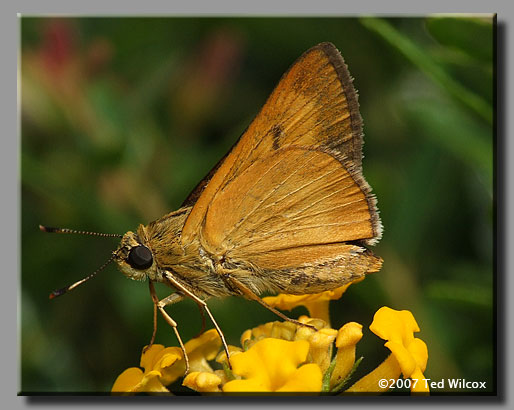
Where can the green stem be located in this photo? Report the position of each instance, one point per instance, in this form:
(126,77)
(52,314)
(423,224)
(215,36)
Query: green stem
(426,64)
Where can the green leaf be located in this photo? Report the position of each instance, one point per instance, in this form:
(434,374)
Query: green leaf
(469,294)
(325,386)
(456,132)
(423,60)
(473,36)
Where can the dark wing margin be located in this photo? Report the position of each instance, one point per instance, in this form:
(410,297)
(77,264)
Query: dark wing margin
(353,148)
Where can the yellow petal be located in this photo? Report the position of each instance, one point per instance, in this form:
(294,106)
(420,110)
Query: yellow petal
(150,356)
(128,380)
(419,351)
(421,386)
(398,327)
(283,330)
(349,335)
(304,333)
(404,358)
(262,331)
(223,376)
(246,336)
(133,380)
(151,383)
(202,382)
(199,350)
(316,303)
(170,365)
(320,351)
(169,356)
(222,356)
(169,362)
(276,330)
(318,309)
(388,369)
(207,344)
(395,325)
(156,361)
(307,378)
(245,386)
(270,360)
(271,364)
(347,338)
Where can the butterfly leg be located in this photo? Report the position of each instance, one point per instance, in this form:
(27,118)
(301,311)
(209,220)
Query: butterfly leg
(202,314)
(202,303)
(250,295)
(155,300)
(160,304)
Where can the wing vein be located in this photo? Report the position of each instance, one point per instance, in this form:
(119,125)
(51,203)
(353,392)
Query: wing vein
(296,218)
(239,223)
(263,237)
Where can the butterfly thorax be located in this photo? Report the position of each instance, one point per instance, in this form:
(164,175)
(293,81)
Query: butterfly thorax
(191,264)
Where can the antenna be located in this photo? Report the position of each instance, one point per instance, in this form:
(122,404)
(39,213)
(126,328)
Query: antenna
(66,230)
(62,291)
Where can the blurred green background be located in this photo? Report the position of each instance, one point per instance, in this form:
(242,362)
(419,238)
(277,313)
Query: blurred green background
(121,117)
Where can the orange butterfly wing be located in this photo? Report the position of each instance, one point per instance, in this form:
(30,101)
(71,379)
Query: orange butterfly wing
(294,197)
(294,178)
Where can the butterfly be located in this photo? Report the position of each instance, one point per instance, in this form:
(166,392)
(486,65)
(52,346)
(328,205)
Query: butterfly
(287,210)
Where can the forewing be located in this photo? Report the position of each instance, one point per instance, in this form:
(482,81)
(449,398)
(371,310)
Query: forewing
(313,106)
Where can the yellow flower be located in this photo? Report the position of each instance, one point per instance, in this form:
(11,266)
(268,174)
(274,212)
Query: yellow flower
(286,357)
(316,303)
(203,381)
(409,354)
(276,330)
(271,365)
(387,370)
(165,365)
(203,349)
(157,362)
(320,341)
(222,355)
(346,341)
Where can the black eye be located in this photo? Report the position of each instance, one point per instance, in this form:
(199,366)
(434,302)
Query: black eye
(140,257)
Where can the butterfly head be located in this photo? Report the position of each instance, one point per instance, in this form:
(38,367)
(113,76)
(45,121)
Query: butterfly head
(134,258)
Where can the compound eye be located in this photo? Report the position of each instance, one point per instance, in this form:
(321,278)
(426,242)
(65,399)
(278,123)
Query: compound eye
(140,257)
